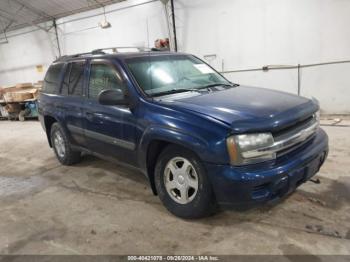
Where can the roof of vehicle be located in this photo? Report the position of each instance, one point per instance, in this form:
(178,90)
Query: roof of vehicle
(121,55)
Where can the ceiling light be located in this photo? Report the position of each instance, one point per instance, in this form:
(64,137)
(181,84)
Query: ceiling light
(104,24)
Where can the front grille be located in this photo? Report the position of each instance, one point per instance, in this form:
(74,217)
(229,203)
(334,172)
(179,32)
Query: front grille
(294,126)
(287,133)
(294,147)
(291,138)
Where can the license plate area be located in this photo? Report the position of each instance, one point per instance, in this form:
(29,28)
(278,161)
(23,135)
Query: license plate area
(312,168)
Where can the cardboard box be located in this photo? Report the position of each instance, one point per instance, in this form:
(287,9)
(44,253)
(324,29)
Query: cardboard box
(38,86)
(18,87)
(24,85)
(20,96)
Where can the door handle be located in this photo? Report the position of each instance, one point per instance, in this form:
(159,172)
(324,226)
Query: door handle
(60,106)
(98,117)
(89,115)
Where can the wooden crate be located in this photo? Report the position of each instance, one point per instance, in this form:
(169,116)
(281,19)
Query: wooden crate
(16,97)
(18,87)
(20,96)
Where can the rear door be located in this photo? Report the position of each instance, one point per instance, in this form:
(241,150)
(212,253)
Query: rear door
(109,130)
(73,90)
(50,98)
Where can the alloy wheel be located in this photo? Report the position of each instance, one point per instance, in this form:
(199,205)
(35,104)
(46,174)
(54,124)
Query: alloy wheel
(181,180)
(59,144)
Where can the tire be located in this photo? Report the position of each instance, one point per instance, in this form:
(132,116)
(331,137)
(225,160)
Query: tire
(196,203)
(61,146)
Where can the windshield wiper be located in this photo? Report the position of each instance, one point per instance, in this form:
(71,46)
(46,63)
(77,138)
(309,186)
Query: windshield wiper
(181,90)
(173,91)
(217,84)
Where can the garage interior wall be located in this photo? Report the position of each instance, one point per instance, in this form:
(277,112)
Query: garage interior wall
(247,34)
(242,34)
(23,52)
(134,23)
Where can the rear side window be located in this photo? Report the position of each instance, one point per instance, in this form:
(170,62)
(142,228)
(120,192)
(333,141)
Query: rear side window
(103,77)
(65,83)
(76,78)
(52,79)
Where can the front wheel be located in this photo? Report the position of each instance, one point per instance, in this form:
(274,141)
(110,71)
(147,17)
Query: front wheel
(60,143)
(182,184)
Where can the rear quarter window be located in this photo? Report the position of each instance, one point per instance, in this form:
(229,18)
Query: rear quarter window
(52,79)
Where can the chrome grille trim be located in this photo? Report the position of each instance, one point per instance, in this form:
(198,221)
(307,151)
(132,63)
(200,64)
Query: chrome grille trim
(287,140)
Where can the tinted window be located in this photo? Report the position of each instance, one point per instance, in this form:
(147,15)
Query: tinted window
(52,79)
(76,79)
(65,83)
(103,77)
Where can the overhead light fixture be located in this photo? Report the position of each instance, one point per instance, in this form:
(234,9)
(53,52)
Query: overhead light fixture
(104,24)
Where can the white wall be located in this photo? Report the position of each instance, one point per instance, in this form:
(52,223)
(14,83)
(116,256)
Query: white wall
(242,33)
(139,25)
(19,58)
(252,33)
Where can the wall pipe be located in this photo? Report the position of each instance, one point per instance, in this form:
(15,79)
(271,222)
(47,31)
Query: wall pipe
(57,39)
(299,83)
(283,67)
(174,25)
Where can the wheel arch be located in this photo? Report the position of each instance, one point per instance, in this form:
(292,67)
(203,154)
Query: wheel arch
(48,122)
(157,140)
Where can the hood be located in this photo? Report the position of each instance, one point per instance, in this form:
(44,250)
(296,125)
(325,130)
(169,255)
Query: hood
(246,109)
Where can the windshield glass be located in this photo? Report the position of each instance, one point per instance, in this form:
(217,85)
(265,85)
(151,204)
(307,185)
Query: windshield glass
(166,73)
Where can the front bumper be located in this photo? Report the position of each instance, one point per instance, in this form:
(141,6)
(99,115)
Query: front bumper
(247,186)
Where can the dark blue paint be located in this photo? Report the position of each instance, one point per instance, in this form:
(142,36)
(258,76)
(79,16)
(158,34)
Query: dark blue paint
(200,123)
(245,179)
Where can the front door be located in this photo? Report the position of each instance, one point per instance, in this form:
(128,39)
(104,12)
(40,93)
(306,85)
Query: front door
(109,130)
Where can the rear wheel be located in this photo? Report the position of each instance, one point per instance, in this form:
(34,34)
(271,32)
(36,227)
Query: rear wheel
(61,146)
(182,184)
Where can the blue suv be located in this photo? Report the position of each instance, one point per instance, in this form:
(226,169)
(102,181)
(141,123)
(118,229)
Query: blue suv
(202,141)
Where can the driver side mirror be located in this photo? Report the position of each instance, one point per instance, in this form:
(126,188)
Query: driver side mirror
(112,97)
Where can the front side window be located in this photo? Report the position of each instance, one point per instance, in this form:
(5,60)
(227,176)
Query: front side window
(165,73)
(103,77)
(52,79)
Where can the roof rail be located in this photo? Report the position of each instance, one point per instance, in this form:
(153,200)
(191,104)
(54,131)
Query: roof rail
(100,51)
(72,56)
(121,49)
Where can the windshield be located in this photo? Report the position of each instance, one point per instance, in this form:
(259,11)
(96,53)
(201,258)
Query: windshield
(164,74)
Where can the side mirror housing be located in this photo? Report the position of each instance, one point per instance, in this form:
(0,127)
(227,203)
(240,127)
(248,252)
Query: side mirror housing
(112,97)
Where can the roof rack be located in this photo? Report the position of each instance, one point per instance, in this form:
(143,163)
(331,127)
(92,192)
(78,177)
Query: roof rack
(101,51)
(73,56)
(122,49)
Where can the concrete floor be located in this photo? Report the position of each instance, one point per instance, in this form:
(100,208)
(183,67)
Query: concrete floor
(97,207)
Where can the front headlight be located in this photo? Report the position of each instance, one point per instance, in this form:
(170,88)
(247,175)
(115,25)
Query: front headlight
(244,149)
(318,116)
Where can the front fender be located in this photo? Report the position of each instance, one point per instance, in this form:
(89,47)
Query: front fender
(191,141)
